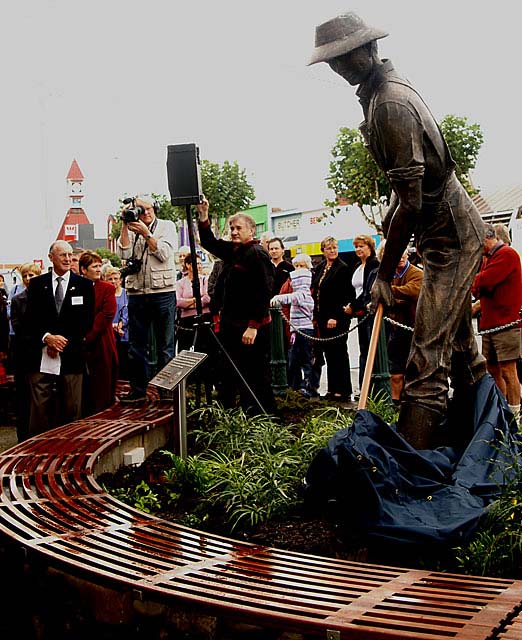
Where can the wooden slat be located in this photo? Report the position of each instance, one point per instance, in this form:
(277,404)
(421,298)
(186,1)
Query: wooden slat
(51,503)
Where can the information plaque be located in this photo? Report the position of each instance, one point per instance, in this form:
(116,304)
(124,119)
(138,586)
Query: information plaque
(178,369)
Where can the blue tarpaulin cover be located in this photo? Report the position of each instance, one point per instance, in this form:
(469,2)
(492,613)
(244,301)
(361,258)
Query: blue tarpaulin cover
(373,481)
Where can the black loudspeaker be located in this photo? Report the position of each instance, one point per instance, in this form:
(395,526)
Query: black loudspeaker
(184,174)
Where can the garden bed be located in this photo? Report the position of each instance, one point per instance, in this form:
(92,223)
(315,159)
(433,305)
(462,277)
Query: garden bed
(244,479)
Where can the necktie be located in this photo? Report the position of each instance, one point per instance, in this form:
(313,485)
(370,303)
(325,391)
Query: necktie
(58,294)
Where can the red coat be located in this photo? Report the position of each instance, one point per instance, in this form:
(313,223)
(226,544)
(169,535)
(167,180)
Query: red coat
(102,355)
(499,287)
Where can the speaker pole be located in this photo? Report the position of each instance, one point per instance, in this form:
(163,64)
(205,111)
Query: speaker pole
(196,289)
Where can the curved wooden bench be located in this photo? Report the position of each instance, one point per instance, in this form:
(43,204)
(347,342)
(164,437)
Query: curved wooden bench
(52,506)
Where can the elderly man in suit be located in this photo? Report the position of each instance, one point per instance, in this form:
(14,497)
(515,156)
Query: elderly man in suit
(60,309)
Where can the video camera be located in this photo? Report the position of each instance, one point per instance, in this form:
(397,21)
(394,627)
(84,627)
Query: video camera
(132,214)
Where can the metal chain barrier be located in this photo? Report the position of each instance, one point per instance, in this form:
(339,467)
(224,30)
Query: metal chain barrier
(398,324)
(391,321)
(509,325)
(315,338)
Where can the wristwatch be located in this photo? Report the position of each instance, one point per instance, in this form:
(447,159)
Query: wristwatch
(149,236)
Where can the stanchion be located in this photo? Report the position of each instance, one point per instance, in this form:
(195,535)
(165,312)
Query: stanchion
(380,381)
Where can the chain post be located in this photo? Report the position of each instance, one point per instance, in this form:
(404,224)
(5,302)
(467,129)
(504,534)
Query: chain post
(381,372)
(277,351)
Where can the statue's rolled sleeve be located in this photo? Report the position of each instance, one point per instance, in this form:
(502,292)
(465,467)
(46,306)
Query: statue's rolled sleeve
(402,145)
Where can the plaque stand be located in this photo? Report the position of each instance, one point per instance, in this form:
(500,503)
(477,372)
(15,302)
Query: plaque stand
(173,378)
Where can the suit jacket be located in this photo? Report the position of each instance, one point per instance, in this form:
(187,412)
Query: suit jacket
(73,322)
(18,309)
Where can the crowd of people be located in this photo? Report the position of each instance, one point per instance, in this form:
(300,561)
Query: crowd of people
(321,301)
(68,335)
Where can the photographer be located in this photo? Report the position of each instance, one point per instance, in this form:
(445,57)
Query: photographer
(147,245)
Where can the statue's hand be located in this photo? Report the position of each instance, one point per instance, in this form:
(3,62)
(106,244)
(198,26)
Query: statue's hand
(381,293)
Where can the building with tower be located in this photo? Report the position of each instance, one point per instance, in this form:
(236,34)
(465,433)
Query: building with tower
(76,227)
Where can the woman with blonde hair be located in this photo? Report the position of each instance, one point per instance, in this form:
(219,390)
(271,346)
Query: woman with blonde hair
(120,322)
(362,280)
(332,291)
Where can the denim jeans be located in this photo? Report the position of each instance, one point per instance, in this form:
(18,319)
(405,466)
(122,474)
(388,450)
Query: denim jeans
(156,312)
(300,361)
(317,367)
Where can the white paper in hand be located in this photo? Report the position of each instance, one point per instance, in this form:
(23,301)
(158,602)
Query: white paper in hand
(50,365)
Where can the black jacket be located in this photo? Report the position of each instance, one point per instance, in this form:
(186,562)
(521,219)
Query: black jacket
(370,273)
(281,275)
(334,293)
(247,279)
(74,321)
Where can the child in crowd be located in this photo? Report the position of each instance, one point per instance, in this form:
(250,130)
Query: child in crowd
(301,326)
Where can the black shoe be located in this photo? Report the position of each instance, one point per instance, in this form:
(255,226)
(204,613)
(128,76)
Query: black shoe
(133,397)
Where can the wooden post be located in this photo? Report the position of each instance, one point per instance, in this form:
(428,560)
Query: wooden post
(365,387)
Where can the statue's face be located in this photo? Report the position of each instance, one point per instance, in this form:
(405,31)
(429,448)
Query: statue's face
(354,66)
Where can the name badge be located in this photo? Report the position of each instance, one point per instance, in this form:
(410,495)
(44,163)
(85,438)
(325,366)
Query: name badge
(77,300)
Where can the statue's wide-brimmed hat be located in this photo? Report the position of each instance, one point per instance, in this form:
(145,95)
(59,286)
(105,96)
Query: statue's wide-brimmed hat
(342,35)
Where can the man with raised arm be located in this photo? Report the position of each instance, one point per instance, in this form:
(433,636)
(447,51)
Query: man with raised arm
(247,281)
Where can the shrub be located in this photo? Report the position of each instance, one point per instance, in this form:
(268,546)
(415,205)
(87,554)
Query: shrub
(496,549)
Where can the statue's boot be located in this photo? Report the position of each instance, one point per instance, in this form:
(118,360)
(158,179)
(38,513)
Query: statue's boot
(419,425)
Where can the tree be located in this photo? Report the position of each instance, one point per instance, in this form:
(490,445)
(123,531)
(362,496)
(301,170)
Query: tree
(355,177)
(227,190)
(464,141)
(110,255)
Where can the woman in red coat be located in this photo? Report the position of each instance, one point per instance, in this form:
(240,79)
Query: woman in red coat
(102,355)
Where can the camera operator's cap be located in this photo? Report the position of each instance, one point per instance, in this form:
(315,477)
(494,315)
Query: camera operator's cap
(342,35)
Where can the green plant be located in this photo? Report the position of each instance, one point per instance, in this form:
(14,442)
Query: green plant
(317,429)
(191,473)
(496,548)
(381,406)
(248,468)
(141,497)
(257,463)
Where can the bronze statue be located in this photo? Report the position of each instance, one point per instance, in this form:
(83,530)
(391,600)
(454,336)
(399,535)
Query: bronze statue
(428,201)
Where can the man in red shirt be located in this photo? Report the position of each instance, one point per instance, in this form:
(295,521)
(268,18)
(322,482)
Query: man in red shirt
(498,287)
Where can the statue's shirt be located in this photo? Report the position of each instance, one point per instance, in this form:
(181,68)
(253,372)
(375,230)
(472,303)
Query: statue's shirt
(401,133)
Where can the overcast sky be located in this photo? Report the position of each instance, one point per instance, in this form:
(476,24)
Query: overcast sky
(113,82)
